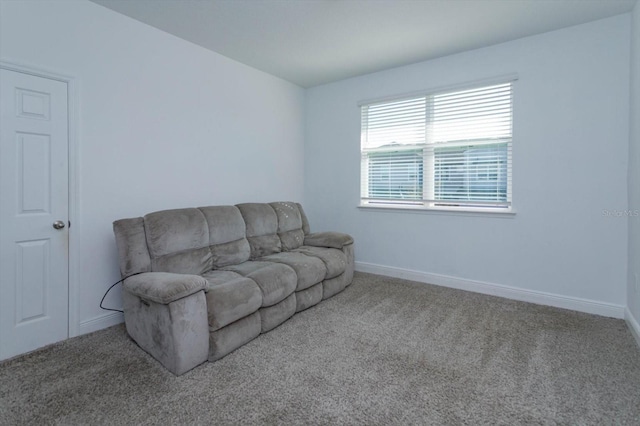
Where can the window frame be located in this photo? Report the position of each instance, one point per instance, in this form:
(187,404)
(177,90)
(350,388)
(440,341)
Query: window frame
(428,202)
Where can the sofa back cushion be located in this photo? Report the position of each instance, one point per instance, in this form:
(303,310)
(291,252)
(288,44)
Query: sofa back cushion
(305,222)
(132,246)
(194,241)
(261,229)
(227,235)
(178,241)
(290,229)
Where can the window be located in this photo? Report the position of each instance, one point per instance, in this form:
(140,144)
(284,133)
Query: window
(444,149)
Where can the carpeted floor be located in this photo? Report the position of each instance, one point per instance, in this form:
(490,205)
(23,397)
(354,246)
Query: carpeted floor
(384,351)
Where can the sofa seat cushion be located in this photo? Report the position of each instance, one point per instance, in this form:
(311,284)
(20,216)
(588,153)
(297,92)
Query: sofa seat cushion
(230,297)
(276,281)
(310,269)
(334,260)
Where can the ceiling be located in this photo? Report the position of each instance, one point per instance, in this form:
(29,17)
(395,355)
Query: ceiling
(312,42)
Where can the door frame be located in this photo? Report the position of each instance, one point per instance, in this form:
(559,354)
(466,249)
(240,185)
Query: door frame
(73,320)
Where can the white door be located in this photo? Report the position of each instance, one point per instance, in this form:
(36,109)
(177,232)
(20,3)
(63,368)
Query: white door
(34,243)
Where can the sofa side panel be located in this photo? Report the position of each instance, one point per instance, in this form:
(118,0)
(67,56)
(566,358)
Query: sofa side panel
(190,329)
(176,334)
(131,241)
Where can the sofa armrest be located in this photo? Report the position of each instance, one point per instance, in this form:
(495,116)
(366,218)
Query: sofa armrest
(328,239)
(164,287)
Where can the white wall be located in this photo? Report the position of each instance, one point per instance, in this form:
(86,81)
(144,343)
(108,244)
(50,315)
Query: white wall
(571,130)
(633,288)
(162,124)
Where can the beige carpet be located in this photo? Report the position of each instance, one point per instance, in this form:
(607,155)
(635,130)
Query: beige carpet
(384,351)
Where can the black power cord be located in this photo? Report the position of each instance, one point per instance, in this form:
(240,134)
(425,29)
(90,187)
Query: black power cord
(109,289)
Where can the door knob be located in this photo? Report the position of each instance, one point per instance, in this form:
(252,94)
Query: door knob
(58,224)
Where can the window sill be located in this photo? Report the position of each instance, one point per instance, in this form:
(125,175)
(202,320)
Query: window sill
(455,211)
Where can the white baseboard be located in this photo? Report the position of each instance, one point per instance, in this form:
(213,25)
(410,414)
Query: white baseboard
(98,323)
(633,325)
(531,296)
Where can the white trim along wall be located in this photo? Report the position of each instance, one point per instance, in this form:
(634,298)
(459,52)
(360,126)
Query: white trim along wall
(634,327)
(492,289)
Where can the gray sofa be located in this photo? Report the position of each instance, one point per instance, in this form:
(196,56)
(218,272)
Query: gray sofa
(210,279)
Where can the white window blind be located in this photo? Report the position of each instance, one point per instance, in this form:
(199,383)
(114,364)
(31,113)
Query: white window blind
(448,148)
